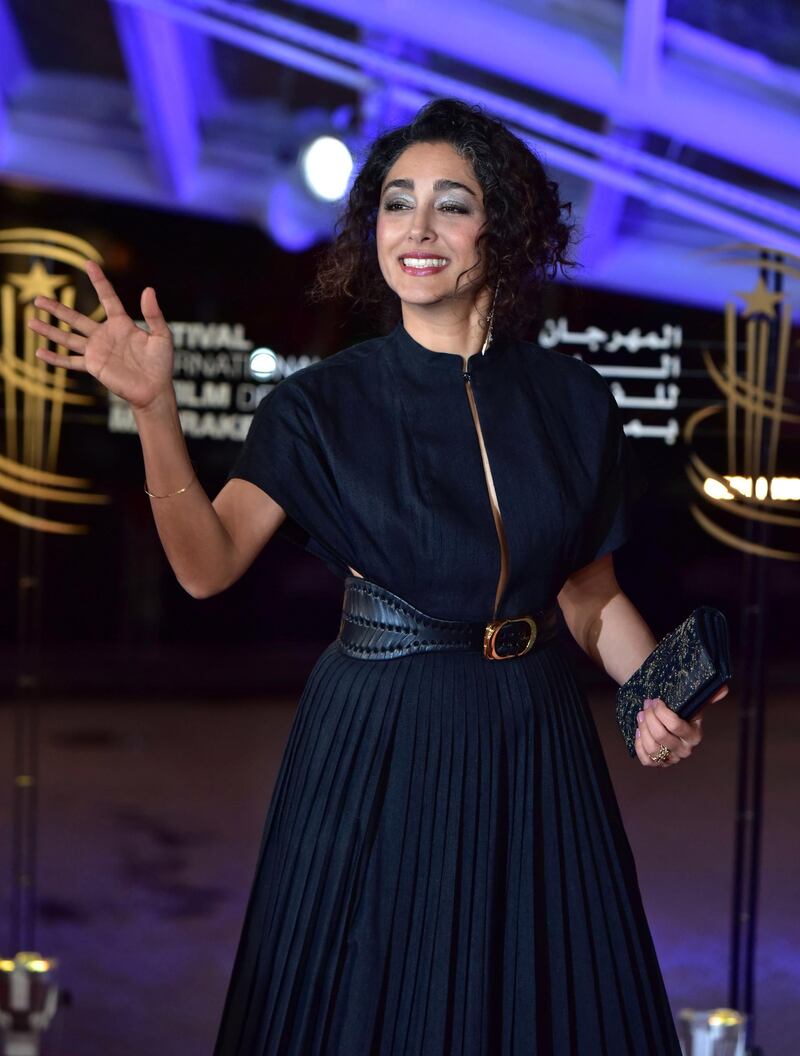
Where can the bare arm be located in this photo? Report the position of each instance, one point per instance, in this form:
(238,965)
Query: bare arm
(603,620)
(209,545)
(609,628)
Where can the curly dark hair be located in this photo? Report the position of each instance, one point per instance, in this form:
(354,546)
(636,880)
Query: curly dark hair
(523,243)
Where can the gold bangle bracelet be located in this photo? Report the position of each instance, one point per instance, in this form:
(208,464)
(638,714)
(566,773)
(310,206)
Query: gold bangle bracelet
(169,494)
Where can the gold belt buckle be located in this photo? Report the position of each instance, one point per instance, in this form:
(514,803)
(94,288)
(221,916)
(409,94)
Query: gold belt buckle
(493,626)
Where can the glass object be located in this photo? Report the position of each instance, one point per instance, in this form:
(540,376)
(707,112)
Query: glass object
(712,1032)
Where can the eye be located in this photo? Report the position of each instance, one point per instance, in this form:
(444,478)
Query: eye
(394,205)
(453,207)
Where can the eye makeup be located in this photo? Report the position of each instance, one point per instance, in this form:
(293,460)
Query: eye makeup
(398,202)
(449,205)
(453,205)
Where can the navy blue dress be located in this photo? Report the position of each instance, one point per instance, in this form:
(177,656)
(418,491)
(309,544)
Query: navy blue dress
(444,868)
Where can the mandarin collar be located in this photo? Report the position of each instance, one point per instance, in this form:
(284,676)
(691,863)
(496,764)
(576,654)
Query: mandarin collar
(416,355)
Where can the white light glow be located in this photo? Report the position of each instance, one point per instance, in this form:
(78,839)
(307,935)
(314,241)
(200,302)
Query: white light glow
(786,489)
(326,165)
(263,363)
(716,490)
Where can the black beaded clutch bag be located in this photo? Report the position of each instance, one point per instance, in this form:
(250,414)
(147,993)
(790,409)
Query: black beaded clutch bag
(686,667)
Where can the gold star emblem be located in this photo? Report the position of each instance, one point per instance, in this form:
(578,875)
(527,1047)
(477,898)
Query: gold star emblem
(36,282)
(760,301)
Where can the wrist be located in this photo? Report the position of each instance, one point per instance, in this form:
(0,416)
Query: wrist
(161,407)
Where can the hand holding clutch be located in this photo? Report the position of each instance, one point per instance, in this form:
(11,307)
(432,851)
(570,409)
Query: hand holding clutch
(686,668)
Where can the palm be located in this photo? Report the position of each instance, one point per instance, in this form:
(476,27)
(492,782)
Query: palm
(131,362)
(128,361)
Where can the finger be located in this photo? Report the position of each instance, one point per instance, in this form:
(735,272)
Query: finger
(651,745)
(75,319)
(642,754)
(105,291)
(673,722)
(654,734)
(58,336)
(696,723)
(55,360)
(152,313)
(651,761)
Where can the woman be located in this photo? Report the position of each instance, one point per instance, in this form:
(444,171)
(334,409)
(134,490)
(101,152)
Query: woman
(444,868)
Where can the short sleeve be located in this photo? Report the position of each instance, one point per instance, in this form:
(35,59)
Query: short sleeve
(620,484)
(283,454)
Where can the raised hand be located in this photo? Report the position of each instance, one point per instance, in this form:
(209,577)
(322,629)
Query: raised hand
(132,363)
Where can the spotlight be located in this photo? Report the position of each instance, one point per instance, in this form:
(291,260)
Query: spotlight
(326,164)
(302,200)
(263,363)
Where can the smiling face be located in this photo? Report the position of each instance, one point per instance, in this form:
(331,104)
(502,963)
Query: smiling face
(429,217)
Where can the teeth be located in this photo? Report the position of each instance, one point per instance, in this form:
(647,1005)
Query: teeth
(424,262)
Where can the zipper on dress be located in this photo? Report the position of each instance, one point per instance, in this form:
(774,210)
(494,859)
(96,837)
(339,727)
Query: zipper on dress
(487,472)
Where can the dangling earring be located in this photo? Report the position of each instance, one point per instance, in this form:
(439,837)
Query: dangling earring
(489,321)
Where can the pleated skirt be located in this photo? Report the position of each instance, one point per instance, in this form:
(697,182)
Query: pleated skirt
(444,870)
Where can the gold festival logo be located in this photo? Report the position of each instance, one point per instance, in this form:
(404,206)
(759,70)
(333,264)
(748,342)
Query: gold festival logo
(33,395)
(756,408)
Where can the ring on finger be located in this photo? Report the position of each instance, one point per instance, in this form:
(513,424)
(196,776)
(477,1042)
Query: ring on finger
(662,754)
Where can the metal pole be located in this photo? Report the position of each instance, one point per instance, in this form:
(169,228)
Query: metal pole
(26,742)
(752,723)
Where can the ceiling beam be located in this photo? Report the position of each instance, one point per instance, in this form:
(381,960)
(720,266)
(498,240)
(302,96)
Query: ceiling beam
(642,46)
(326,56)
(153,49)
(641,66)
(603,213)
(81,154)
(14,67)
(217,25)
(744,62)
(608,170)
(734,122)
(207,91)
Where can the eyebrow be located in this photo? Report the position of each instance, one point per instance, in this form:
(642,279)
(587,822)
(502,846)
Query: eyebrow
(439,185)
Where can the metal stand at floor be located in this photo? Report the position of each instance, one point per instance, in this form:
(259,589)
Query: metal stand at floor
(749,795)
(28,991)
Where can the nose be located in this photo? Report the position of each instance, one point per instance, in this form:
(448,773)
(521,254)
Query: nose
(421,227)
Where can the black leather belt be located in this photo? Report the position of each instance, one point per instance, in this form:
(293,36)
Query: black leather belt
(379,625)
